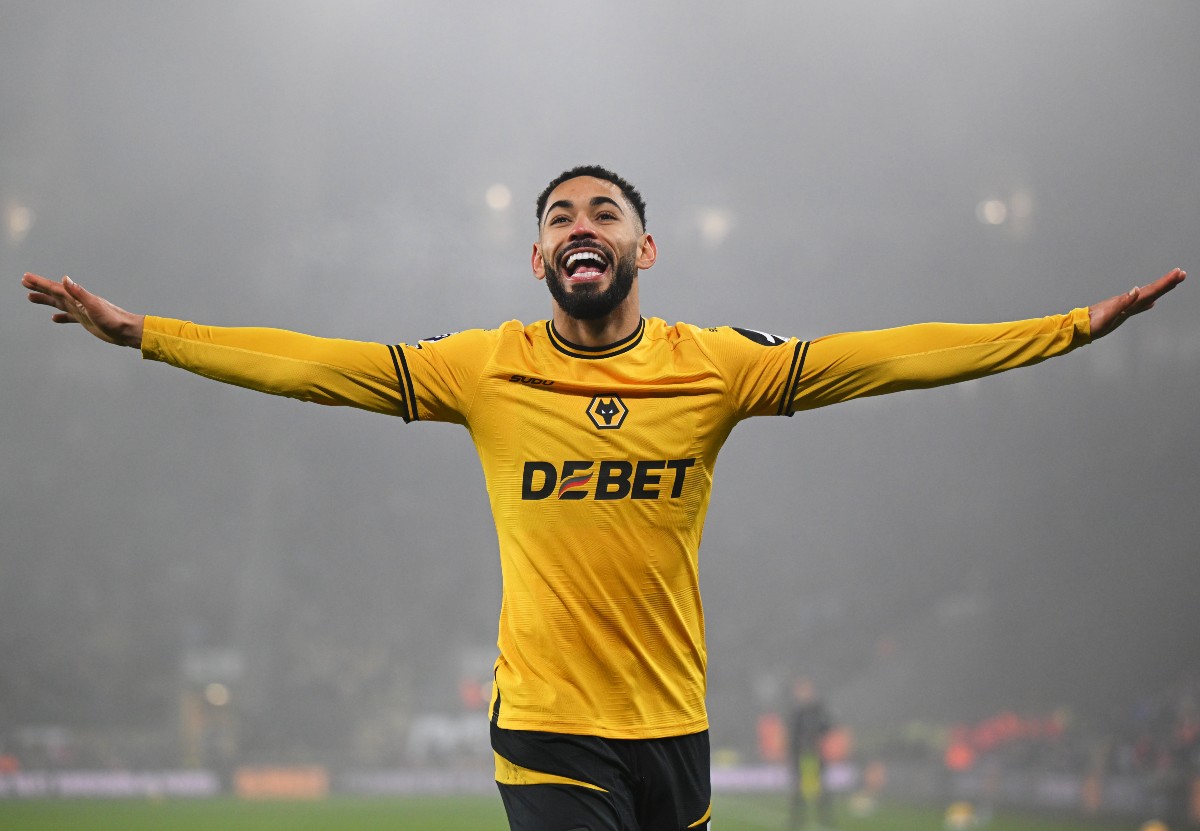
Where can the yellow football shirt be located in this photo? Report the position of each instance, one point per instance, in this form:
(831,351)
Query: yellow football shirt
(599,466)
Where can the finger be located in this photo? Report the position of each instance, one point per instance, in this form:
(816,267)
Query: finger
(41,285)
(1165,283)
(73,289)
(1131,300)
(77,296)
(1123,304)
(46,300)
(36,281)
(63,318)
(1151,293)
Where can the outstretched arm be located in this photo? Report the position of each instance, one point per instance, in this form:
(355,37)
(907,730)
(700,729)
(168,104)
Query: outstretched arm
(1108,314)
(76,304)
(322,370)
(855,364)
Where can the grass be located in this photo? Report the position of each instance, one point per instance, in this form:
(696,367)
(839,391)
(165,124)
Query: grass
(478,813)
(342,813)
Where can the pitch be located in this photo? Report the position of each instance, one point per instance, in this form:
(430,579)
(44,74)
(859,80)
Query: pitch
(457,813)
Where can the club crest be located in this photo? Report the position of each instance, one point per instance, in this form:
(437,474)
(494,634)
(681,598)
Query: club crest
(607,412)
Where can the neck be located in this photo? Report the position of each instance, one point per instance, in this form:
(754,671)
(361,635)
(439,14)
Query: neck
(620,323)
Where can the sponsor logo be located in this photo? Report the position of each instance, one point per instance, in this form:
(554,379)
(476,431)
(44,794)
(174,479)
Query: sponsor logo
(607,412)
(605,480)
(536,382)
(435,338)
(762,338)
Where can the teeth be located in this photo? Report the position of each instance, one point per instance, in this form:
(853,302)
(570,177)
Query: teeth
(585,255)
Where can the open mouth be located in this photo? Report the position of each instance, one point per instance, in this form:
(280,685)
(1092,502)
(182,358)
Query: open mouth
(585,264)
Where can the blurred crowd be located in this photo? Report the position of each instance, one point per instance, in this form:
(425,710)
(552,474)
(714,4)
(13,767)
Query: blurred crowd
(367,712)
(1151,751)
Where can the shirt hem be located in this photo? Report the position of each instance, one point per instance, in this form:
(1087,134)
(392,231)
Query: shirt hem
(603,731)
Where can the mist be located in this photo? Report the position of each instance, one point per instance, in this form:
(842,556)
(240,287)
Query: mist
(368,170)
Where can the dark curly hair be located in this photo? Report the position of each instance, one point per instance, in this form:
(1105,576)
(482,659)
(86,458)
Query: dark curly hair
(597,172)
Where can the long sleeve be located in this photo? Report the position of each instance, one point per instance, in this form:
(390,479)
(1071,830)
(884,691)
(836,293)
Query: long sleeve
(279,362)
(857,364)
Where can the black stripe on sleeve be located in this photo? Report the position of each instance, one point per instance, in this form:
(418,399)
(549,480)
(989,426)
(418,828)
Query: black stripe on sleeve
(793,372)
(791,396)
(408,397)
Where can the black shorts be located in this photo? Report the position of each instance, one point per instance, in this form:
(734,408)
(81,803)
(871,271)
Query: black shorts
(560,782)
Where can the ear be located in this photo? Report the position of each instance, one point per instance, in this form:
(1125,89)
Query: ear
(647,253)
(538,264)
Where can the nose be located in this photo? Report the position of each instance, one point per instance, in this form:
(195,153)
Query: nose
(582,229)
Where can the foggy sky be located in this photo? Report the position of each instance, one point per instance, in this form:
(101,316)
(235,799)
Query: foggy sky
(1024,541)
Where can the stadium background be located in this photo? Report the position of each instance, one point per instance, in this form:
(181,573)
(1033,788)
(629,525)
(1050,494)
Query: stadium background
(197,577)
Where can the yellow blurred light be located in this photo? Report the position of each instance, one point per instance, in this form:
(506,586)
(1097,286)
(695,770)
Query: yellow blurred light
(959,816)
(18,220)
(498,197)
(992,212)
(216,695)
(715,225)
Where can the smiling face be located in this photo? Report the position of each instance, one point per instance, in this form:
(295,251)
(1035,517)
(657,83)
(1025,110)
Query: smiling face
(591,246)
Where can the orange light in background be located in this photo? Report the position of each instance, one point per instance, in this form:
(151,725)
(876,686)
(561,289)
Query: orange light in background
(772,738)
(472,694)
(837,745)
(959,757)
(282,783)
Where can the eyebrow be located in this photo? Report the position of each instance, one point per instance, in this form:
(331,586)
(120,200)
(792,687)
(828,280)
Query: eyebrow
(596,200)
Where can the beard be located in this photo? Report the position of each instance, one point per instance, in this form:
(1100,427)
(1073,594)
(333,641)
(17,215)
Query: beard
(585,301)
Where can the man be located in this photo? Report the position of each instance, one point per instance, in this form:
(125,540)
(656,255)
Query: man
(808,725)
(598,430)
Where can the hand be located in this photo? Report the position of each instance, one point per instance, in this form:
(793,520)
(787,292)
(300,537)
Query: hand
(1111,313)
(78,305)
